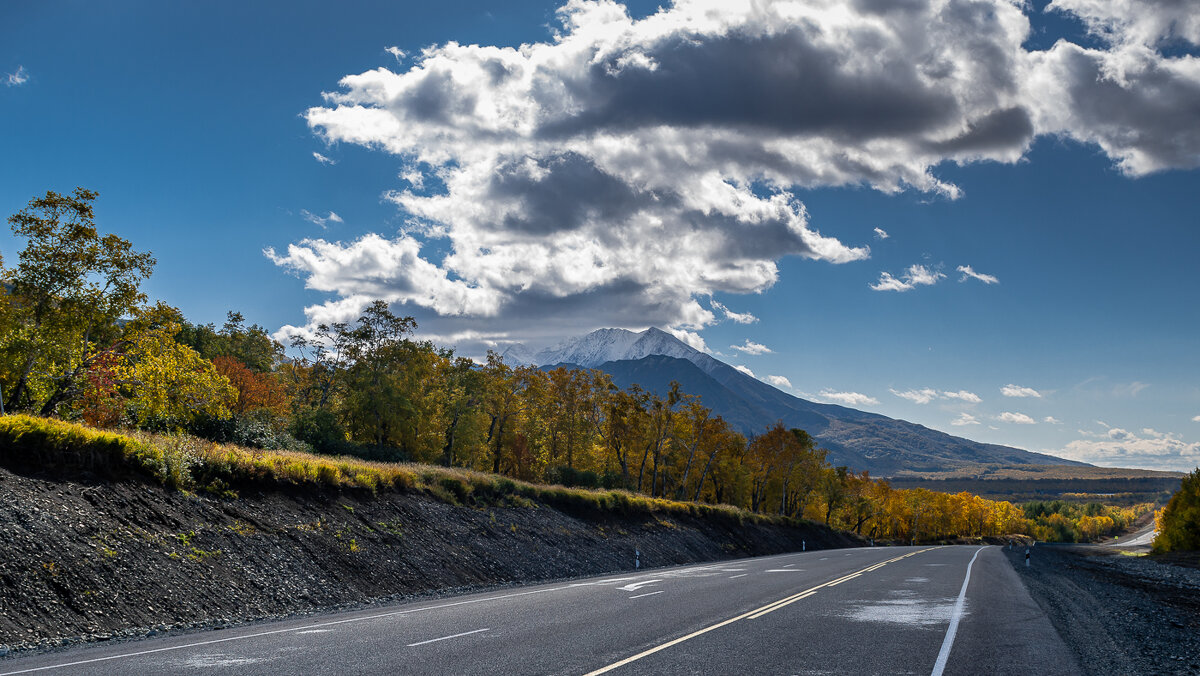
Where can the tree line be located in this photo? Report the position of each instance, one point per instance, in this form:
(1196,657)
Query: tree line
(79,340)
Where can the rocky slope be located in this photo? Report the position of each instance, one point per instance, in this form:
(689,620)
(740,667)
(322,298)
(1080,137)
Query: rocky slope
(95,559)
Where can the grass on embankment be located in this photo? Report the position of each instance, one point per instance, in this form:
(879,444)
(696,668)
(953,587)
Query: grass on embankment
(190,464)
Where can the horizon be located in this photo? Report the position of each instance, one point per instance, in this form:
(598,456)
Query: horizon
(991,234)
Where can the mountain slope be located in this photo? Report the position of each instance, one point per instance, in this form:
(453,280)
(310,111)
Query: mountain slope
(861,440)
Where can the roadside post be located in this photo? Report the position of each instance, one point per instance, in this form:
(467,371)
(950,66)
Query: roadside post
(804,545)
(637,559)
(1026,557)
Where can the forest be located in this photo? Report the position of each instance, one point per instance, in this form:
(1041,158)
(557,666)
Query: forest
(80,341)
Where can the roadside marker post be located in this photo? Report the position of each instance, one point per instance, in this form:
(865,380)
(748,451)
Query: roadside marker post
(637,559)
(804,545)
(1026,557)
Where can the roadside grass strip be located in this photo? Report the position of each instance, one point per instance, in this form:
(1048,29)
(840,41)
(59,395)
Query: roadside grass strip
(753,614)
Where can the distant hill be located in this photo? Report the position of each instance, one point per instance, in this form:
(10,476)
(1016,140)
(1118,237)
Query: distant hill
(882,445)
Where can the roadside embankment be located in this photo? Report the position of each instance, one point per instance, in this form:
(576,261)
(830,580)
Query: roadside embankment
(1120,614)
(91,553)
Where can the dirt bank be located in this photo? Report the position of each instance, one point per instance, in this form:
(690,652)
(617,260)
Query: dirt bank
(96,559)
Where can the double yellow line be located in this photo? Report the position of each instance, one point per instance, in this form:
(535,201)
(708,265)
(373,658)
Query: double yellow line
(753,614)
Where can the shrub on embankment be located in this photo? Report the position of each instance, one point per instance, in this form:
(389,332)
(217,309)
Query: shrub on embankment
(1179,522)
(191,464)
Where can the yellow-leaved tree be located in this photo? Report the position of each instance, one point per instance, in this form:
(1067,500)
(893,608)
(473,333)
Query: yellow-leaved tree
(170,383)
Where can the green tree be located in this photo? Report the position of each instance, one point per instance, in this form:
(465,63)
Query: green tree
(1179,522)
(69,288)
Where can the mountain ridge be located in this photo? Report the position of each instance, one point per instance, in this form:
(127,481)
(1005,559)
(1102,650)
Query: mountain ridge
(859,439)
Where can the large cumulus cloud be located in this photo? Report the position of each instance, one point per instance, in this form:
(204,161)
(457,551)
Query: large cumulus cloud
(623,171)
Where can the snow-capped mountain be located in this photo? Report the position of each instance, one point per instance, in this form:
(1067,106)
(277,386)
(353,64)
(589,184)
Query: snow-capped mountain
(605,345)
(864,441)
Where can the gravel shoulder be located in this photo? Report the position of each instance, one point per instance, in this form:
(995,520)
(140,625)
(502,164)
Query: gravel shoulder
(1120,614)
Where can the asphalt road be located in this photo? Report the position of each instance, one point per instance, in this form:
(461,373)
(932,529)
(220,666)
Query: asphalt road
(1142,539)
(906,610)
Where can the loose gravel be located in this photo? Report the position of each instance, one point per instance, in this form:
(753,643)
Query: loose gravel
(1121,614)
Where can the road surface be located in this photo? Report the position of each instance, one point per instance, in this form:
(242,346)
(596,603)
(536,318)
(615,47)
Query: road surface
(1140,540)
(911,610)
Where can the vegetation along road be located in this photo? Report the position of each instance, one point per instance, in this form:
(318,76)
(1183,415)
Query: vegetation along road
(953,610)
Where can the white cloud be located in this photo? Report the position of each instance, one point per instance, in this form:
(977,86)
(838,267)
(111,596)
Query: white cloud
(737,317)
(914,276)
(848,398)
(964,419)
(322,159)
(744,369)
(923,396)
(1117,447)
(880,233)
(779,381)
(397,53)
(18,77)
(969,273)
(633,164)
(322,221)
(1196,418)
(1052,420)
(962,395)
(690,338)
(1016,418)
(1011,390)
(928,394)
(752,348)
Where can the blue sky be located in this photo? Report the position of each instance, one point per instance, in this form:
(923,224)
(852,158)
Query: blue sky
(646,167)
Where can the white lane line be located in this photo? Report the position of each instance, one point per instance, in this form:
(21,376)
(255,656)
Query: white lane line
(647,594)
(784,570)
(789,565)
(444,638)
(733,577)
(314,631)
(948,642)
(332,623)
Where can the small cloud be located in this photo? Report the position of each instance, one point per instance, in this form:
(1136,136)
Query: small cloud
(322,221)
(396,52)
(779,381)
(414,177)
(1051,420)
(1196,418)
(914,276)
(745,370)
(752,348)
(969,273)
(848,398)
(1016,418)
(964,419)
(923,396)
(928,394)
(738,317)
(1011,390)
(880,233)
(322,159)
(691,338)
(17,78)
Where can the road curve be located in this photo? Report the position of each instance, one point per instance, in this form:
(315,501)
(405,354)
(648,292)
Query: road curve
(862,611)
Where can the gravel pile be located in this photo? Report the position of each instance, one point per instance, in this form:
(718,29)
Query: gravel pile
(1121,614)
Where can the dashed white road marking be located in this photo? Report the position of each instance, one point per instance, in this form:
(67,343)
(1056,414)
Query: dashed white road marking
(648,594)
(445,638)
(784,570)
(313,631)
(731,577)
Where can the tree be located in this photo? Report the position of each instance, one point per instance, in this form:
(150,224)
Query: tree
(69,288)
(1179,522)
(168,382)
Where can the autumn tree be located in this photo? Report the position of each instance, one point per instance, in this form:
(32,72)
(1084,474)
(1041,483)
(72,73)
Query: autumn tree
(69,288)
